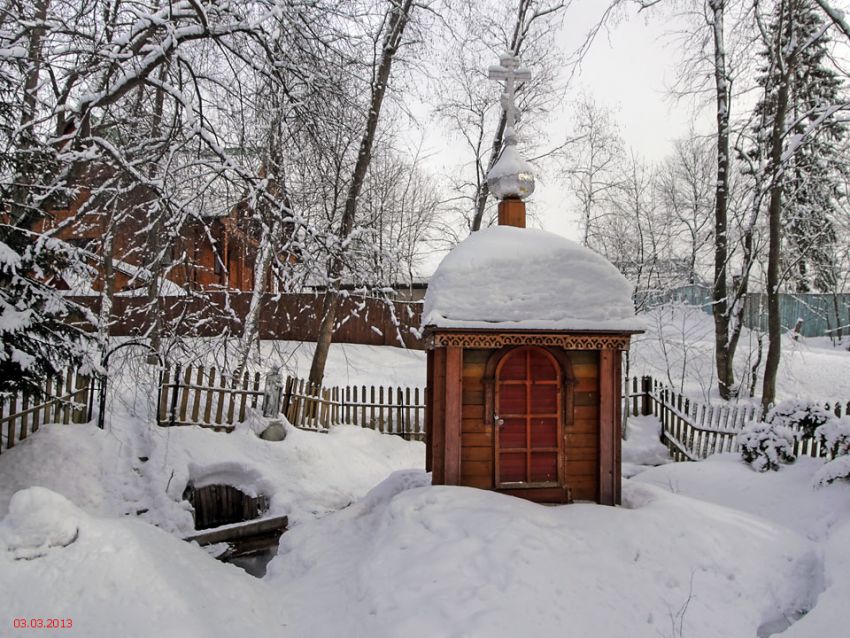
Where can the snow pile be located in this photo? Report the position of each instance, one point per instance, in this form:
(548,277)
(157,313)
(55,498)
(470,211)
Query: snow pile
(38,520)
(836,470)
(307,475)
(120,577)
(91,467)
(643,446)
(831,612)
(785,498)
(436,561)
(507,277)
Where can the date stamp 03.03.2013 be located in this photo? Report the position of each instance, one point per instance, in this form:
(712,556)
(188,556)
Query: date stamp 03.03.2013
(42,623)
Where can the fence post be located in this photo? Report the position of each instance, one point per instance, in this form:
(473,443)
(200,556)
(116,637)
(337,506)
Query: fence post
(646,398)
(81,386)
(172,419)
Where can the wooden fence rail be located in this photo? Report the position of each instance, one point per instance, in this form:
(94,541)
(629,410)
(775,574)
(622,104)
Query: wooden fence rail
(213,399)
(693,431)
(66,399)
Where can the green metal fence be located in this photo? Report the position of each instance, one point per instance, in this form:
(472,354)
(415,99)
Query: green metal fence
(822,314)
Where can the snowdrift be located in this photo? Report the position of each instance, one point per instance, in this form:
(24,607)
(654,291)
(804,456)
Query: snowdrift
(414,560)
(119,577)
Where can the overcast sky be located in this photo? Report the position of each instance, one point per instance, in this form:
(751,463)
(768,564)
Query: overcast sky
(628,69)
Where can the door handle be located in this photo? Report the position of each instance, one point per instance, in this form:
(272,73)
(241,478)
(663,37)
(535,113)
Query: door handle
(499,422)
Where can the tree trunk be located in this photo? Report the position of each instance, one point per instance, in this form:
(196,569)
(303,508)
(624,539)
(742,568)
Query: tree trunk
(720,294)
(774,211)
(398,17)
(155,237)
(268,241)
(24,159)
(107,294)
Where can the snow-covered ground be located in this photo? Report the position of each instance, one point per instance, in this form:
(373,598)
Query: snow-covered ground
(90,522)
(307,475)
(700,550)
(348,363)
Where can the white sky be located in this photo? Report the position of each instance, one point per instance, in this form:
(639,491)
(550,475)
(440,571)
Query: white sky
(630,69)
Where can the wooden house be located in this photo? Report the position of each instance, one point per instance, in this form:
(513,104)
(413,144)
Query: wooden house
(211,253)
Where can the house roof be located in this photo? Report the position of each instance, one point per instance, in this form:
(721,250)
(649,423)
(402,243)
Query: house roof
(517,278)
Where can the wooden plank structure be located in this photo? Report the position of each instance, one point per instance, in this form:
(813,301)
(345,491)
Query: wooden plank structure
(217,505)
(244,538)
(693,431)
(532,414)
(206,397)
(65,399)
(212,399)
(523,374)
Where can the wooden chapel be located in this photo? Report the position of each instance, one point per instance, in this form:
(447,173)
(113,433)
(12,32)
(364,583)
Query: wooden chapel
(525,332)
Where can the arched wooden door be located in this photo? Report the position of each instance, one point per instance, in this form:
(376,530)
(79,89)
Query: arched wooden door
(528,419)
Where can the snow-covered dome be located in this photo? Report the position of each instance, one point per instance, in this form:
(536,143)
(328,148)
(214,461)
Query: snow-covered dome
(506,277)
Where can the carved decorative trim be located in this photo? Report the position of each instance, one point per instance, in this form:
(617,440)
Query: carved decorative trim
(501,339)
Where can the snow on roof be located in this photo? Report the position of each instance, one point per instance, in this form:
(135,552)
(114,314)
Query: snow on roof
(522,278)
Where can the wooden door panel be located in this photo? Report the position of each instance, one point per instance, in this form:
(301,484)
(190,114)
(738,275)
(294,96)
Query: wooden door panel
(513,370)
(512,467)
(529,441)
(512,433)
(544,399)
(512,399)
(542,369)
(544,432)
(544,467)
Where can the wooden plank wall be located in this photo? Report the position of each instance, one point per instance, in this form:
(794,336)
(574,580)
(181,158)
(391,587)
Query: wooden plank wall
(582,435)
(364,320)
(476,464)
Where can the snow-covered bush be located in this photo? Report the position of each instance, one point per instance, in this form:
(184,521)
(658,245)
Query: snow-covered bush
(837,469)
(834,436)
(766,445)
(800,416)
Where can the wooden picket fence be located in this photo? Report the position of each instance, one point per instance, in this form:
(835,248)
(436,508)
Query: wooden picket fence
(693,431)
(66,399)
(207,397)
(213,399)
(387,409)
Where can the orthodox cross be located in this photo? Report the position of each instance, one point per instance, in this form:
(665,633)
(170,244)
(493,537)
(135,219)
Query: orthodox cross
(509,71)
